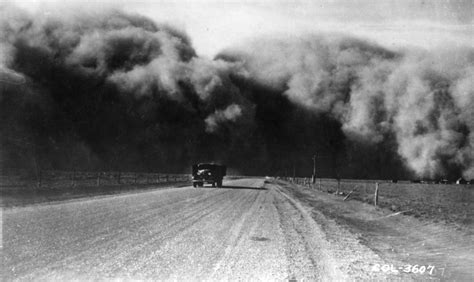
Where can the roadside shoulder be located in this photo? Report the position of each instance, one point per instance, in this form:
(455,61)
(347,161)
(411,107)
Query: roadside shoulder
(402,241)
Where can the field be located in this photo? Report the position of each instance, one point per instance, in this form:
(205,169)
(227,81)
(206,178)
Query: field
(23,189)
(449,203)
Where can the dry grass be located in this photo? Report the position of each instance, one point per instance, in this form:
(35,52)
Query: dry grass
(22,189)
(449,203)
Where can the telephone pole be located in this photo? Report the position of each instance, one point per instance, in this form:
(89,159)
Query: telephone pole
(294,170)
(314,169)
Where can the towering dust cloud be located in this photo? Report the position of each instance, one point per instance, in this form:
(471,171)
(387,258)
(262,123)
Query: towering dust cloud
(423,101)
(111,90)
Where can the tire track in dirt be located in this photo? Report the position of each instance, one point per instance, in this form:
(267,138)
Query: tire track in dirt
(306,259)
(82,216)
(208,239)
(342,252)
(238,233)
(96,242)
(118,247)
(243,226)
(146,263)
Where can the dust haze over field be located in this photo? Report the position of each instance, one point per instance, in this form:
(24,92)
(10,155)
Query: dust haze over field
(94,90)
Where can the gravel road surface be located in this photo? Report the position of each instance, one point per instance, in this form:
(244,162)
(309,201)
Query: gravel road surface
(246,230)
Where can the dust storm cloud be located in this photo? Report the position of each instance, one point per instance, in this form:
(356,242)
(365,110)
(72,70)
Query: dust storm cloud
(107,88)
(422,100)
(111,90)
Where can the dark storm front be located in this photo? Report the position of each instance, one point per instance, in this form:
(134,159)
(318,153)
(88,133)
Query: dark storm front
(116,91)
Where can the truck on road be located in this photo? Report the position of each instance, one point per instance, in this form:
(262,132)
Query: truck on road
(209,173)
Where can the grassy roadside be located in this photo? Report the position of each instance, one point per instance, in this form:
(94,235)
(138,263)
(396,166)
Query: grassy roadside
(399,239)
(25,197)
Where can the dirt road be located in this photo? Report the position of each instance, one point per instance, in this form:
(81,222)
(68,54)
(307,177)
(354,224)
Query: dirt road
(247,230)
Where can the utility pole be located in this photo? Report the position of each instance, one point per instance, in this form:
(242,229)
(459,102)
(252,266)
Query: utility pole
(314,169)
(294,171)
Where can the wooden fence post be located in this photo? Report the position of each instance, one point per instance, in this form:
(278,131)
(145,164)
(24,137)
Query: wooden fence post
(376,195)
(73,178)
(98,179)
(39,178)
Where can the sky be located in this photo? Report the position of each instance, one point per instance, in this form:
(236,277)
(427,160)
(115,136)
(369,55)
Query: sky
(215,25)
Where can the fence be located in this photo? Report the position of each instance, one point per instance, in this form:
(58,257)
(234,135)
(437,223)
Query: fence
(448,201)
(364,190)
(60,179)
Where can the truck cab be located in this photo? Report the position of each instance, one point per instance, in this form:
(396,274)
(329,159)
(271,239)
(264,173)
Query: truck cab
(209,173)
